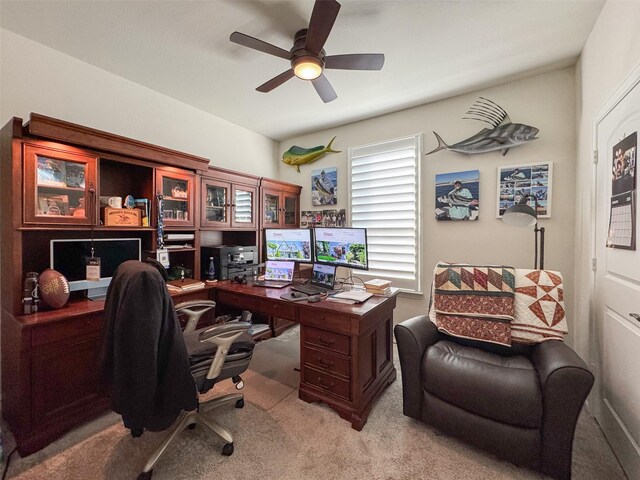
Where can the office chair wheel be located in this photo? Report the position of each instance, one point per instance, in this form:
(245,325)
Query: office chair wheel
(240,403)
(227,450)
(136,432)
(145,475)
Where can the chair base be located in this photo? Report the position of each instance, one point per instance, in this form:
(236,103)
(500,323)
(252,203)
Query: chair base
(186,419)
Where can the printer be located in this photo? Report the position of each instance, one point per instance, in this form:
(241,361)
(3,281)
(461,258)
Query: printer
(230,260)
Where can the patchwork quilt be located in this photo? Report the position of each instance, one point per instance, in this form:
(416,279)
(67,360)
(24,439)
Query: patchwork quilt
(498,304)
(539,307)
(474,301)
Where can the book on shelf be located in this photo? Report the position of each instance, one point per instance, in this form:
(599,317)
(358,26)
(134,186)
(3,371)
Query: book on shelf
(386,292)
(377,284)
(185,284)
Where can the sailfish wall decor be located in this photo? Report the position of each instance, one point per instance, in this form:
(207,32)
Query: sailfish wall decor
(502,136)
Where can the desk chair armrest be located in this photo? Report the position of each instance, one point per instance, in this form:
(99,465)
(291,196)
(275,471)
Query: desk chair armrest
(194,309)
(223,336)
(413,337)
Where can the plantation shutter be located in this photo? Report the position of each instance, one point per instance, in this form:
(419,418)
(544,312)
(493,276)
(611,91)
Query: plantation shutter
(385,199)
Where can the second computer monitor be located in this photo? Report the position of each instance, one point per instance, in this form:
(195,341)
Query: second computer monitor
(293,244)
(343,247)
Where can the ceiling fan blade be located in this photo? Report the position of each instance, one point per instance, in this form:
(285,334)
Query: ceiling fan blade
(275,81)
(324,89)
(355,61)
(247,41)
(322,19)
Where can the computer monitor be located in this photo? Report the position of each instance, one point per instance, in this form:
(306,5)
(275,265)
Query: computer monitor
(293,244)
(343,247)
(69,257)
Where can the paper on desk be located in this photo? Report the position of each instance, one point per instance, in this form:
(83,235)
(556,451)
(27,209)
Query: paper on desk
(357,296)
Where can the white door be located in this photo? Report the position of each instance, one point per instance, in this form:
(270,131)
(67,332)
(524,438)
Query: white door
(616,333)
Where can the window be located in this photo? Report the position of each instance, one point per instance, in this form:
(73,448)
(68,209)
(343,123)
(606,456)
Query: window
(385,199)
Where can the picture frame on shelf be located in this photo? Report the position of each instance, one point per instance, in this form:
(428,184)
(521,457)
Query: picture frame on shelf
(51,172)
(53,205)
(74,176)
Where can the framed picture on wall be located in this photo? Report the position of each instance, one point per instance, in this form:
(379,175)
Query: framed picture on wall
(518,181)
(457,195)
(324,186)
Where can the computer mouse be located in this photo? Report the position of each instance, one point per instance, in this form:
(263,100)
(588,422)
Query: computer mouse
(314,298)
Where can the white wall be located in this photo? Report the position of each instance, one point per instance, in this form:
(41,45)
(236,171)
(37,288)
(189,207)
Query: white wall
(610,54)
(36,78)
(545,101)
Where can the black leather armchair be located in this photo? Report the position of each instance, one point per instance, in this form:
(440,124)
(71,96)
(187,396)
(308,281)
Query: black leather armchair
(520,403)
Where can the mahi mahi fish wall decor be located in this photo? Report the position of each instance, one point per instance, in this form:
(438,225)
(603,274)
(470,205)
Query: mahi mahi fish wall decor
(297,156)
(502,136)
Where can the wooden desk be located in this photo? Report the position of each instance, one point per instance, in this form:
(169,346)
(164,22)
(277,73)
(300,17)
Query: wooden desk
(346,354)
(50,370)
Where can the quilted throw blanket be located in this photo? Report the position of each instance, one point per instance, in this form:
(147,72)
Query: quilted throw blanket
(539,304)
(474,301)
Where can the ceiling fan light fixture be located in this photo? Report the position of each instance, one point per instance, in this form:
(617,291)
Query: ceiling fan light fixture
(307,68)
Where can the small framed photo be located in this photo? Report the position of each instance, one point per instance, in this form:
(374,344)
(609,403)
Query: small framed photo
(179,215)
(168,214)
(53,204)
(517,181)
(51,172)
(179,190)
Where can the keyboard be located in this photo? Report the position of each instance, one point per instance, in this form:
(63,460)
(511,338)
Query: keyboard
(310,289)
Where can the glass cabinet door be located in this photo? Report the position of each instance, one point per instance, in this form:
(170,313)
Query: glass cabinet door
(290,211)
(215,206)
(272,208)
(59,186)
(177,191)
(243,207)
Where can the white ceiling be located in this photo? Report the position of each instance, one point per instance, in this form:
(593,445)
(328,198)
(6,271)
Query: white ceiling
(433,50)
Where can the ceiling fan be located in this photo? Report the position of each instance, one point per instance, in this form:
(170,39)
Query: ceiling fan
(307,57)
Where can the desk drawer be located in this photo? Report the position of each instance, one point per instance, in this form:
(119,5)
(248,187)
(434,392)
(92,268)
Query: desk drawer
(278,309)
(243,302)
(63,330)
(327,383)
(328,362)
(327,340)
(323,319)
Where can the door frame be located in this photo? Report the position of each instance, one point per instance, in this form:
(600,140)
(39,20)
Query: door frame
(631,81)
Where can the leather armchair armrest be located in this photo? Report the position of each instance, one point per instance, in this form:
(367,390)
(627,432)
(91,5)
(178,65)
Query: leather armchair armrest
(565,381)
(413,337)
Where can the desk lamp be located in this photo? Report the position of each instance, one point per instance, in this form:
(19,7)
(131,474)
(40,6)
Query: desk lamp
(522,215)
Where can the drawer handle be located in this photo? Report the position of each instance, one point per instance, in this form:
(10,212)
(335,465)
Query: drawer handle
(635,316)
(324,342)
(327,387)
(325,365)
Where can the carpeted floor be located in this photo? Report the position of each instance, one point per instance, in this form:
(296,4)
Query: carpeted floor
(278,436)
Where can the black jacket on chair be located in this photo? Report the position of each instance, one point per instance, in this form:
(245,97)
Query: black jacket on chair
(143,357)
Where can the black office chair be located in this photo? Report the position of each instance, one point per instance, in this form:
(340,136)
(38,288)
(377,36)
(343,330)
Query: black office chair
(142,337)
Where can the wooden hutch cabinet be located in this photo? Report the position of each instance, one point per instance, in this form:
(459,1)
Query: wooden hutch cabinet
(177,188)
(59,184)
(54,174)
(57,181)
(280,204)
(228,200)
